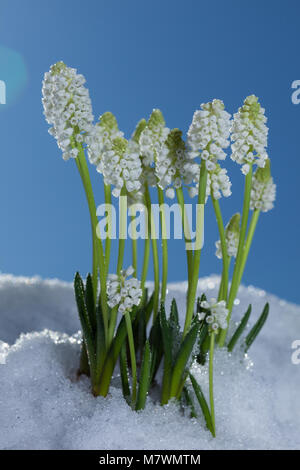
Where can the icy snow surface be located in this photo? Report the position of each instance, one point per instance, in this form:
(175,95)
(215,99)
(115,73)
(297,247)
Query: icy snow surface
(43,406)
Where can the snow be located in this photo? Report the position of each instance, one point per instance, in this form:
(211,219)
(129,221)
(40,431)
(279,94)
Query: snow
(44,406)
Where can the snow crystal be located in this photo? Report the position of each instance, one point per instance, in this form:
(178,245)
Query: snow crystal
(43,405)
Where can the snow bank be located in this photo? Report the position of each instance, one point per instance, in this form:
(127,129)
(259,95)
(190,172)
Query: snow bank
(44,406)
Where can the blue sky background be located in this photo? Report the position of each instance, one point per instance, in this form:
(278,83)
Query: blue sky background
(137,55)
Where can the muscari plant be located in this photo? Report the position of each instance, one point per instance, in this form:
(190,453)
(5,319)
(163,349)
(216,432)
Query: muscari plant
(122,323)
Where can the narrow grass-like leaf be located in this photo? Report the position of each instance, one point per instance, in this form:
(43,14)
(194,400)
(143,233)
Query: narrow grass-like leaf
(113,354)
(174,317)
(141,333)
(183,356)
(84,320)
(203,404)
(90,302)
(84,367)
(155,339)
(189,402)
(257,327)
(182,384)
(124,373)
(239,329)
(166,333)
(199,300)
(167,346)
(149,308)
(100,344)
(144,380)
(203,334)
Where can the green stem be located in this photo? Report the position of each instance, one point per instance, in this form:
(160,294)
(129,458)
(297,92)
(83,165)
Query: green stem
(164,245)
(123,214)
(236,272)
(251,231)
(132,357)
(186,232)
(145,260)
(152,234)
(225,259)
(223,292)
(211,382)
(192,290)
(98,255)
(146,251)
(134,246)
(95,257)
(107,196)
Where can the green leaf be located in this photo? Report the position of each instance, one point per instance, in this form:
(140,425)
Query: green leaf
(113,354)
(202,339)
(239,329)
(166,333)
(183,356)
(155,339)
(257,327)
(84,320)
(176,335)
(124,372)
(203,404)
(90,302)
(144,381)
(199,300)
(189,402)
(100,344)
(84,367)
(149,308)
(167,347)
(174,317)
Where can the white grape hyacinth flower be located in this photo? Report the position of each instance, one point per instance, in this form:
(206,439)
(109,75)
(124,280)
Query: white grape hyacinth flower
(121,166)
(172,168)
(101,137)
(217,317)
(209,133)
(263,191)
(249,135)
(218,182)
(151,142)
(67,107)
(232,235)
(122,292)
(153,136)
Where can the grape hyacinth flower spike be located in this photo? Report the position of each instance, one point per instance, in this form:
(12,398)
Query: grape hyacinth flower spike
(67,107)
(249,135)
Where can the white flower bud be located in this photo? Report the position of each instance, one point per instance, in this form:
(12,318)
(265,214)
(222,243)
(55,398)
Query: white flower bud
(123,292)
(263,191)
(232,234)
(218,315)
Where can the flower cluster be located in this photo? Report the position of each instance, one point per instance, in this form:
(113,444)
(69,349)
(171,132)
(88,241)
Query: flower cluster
(217,317)
(249,135)
(151,141)
(116,158)
(153,137)
(209,133)
(122,292)
(101,137)
(263,191)
(218,182)
(67,106)
(232,235)
(121,166)
(172,168)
